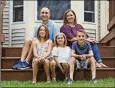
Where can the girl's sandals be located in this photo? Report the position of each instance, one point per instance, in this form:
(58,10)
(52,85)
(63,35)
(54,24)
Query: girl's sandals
(54,79)
(48,81)
(33,81)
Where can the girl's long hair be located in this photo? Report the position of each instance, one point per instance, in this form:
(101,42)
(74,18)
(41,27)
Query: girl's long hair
(46,30)
(65,17)
(65,40)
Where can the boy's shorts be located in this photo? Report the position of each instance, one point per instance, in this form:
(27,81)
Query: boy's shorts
(81,64)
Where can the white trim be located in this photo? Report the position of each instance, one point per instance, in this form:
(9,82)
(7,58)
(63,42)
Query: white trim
(92,23)
(35,18)
(89,12)
(56,21)
(18,6)
(21,22)
(24,12)
(13,23)
(10,21)
(99,21)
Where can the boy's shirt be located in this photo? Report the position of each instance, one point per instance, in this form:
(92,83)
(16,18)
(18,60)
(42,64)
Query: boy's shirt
(81,50)
(52,27)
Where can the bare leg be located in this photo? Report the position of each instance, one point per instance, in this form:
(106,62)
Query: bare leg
(25,49)
(52,66)
(29,56)
(35,69)
(72,62)
(46,68)
(30,53)
(65,66)
(93,68)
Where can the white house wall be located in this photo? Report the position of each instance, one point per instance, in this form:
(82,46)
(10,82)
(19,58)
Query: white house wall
(30,19)
(6,24)
(104,18)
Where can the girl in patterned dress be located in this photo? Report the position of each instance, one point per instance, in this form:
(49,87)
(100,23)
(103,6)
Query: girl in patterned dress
(42,47)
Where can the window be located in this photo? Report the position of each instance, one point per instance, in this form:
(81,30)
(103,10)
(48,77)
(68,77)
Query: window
(57,8)
(17,10)
(89,12)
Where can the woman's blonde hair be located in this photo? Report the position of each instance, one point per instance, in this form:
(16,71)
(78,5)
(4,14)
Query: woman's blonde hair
(46,30)
(65,17)
(65,40)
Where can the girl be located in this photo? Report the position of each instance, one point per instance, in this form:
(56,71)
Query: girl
(62,55)
(70,27)
(42,47)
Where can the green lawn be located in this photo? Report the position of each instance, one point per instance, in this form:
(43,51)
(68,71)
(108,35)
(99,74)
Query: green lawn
(109,82)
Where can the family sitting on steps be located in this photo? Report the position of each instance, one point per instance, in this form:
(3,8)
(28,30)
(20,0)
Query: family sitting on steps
(67,48)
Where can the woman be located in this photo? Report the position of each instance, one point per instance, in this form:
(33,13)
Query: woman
(70,28)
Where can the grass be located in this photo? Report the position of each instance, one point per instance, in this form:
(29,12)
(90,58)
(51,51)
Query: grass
(108,82)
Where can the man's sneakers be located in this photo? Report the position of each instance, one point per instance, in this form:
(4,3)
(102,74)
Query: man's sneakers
(70,81)
(21,65)
(94,80)
(18,64)
(24,66)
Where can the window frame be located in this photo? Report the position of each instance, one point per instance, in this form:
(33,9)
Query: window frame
(39,21)
(12,6)
(94,12)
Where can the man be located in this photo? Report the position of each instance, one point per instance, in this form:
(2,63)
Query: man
(27,49)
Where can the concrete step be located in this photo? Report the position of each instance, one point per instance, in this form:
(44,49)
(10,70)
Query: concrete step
(101,44)
(20,75)
(11,51)
(105,51)
(23,75)
(8,62)
(109,61)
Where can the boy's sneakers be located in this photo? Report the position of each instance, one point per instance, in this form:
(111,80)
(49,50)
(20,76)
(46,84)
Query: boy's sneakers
(23,66)
(70,81)
(94,80)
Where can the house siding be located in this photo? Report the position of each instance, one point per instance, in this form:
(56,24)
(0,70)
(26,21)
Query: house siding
(6,24)
(95,30)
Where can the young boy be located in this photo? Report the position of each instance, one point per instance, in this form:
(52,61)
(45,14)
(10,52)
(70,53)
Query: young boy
(81,53)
